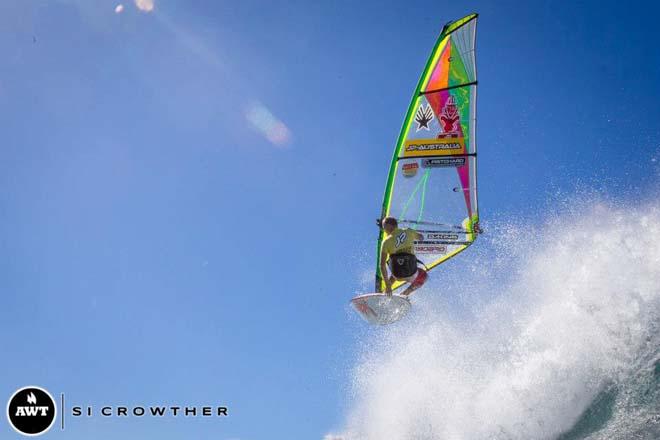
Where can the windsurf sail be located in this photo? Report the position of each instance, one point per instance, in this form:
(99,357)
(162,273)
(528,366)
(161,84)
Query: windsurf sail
(432,181)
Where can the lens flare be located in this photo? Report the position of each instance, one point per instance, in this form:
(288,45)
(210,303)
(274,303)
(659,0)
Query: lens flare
(262,120)
(145,5)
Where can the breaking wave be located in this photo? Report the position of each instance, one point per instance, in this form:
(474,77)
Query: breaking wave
(553,335)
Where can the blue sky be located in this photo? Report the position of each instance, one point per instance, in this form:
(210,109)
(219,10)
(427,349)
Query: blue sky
(156,246)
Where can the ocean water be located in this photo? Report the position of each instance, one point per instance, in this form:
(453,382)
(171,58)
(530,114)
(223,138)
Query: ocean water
(548,332)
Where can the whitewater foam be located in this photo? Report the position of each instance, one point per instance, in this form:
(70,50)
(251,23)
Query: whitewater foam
(551,319)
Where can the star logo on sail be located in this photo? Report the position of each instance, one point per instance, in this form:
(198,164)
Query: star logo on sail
(423,117)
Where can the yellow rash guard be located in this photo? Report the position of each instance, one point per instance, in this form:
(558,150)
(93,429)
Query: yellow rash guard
(401,240)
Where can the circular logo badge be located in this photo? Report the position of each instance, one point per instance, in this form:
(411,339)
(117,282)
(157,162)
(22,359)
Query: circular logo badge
(31,411)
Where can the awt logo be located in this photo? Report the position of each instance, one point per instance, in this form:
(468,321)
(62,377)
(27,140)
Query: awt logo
(31,411)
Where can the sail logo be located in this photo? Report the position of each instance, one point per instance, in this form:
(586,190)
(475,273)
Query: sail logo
(409,169)
(441,236)
(449,117)
(431,249)
(444,146)
(423,117)
(31,411)
(443,162)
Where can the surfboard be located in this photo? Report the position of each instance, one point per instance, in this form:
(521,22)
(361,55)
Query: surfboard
(380,309)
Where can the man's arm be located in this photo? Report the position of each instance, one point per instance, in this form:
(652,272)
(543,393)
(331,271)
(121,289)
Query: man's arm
(383,272)
(418,235)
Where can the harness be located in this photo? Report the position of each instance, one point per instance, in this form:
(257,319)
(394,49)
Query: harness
(404,265)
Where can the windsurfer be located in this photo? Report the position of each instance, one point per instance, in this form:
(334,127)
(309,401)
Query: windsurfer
(398,249)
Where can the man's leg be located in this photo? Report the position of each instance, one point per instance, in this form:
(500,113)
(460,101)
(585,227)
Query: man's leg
(418,282)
